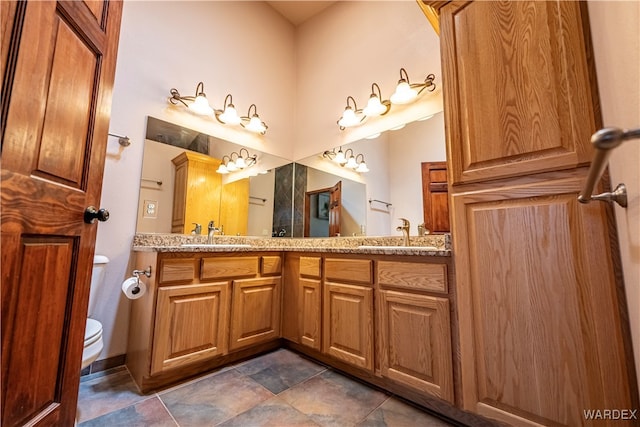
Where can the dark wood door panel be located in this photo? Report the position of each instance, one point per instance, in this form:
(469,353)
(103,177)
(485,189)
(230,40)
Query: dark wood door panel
(69,108)
(36,327)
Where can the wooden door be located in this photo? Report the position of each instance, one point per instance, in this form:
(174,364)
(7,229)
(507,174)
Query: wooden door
(415,342)
(57,85)
(335,209)
(435,197)
(543,329)
(255,311)
(325,211)
(347,324)
(310,303)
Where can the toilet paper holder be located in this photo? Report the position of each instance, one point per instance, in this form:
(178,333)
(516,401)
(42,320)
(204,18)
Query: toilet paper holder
(137,273)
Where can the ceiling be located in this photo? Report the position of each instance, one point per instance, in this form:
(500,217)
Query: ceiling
(297,12)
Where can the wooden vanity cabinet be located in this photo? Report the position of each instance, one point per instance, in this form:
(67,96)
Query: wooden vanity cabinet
(255,311)
(191,324)
(199,308)
(347,313)
(413,328)
(390,316)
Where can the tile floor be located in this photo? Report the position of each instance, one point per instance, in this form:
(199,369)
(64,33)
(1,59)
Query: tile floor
(277,389)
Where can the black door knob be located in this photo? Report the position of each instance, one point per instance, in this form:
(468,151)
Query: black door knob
(91,214)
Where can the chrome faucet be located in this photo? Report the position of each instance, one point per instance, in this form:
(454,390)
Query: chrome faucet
(197,229)
(405,231)
(212,231)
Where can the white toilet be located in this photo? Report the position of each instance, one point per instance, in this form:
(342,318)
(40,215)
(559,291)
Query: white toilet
(93,333)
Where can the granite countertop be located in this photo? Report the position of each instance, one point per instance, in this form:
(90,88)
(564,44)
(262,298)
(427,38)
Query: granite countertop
(431,245)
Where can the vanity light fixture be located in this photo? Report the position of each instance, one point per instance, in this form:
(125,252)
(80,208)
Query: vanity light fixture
(351,161)
(255,124)
(405,93)
(227,115)
(351,116)
(239,162)
(376,106)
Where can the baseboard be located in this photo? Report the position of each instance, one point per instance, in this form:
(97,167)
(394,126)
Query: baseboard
(104,364)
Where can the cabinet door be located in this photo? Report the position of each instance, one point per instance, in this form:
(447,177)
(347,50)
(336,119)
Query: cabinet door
(517,88)
(310,296)
(191,324)
(541,335)
(255,311)
(415,342)
(348,324)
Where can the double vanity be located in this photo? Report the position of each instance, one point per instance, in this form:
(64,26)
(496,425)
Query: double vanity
(370,307)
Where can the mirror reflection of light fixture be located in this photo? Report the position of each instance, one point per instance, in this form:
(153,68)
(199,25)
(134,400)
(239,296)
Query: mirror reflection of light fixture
(228,115)
(362,166)
(405,93)
(236,161)
(347,160)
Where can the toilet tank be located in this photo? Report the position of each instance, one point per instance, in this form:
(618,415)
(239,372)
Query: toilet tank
(97,279)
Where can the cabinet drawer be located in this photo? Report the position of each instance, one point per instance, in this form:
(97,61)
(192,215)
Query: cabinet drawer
(228,267)
(177,270)
(348,270)
(310,266)
(413,275)
(271,265)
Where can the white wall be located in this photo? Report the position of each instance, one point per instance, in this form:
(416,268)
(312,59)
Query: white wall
(345,49)
(408,147)
(242,48)
(616,42)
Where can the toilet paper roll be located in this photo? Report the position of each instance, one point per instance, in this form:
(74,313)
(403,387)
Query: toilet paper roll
(133,288)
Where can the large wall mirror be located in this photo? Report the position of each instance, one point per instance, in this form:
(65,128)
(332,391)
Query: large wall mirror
(278,198)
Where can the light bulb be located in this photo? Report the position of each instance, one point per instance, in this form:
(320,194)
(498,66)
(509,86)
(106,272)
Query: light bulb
(256,125)
(230,116)
(240,163)
(340,158)
(362,167)
(201,106)
(374,107)
(348,118)
(222,169)
(231,166)
(351,163)
(404,93)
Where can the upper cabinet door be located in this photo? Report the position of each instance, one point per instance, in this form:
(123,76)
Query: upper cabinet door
(518,91)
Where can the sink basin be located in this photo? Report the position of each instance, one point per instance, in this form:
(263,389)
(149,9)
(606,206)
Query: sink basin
(415,248)
(216,245)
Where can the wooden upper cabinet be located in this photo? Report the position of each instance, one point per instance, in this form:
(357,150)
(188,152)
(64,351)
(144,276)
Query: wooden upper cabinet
(518,96)
(197,191)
